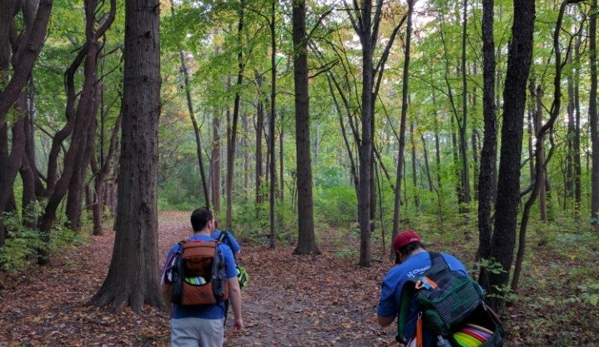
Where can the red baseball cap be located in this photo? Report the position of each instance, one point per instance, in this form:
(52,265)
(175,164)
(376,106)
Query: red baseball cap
(405,237)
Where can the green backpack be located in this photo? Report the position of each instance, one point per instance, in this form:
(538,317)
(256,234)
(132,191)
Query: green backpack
(450,304)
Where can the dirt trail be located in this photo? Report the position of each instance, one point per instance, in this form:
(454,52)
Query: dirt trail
(290,301)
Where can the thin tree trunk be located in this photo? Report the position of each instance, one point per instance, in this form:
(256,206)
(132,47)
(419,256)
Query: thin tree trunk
(414,173)
(273,81)
(539,162)
(463,122)
(232,127)
(194,122)
(306,243)
(539,183)
(488,156)
(403,120)
(593,115)
(215,162)
(259,131)
(508,188)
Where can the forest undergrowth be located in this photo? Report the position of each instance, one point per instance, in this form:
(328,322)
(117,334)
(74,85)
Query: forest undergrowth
(325,300)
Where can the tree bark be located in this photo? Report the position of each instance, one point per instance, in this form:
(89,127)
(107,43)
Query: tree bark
(259,134)
(132,278)
(26,53)
(215,162)
(232,127)
(306,243)
(593,115)
(508,188)
(488,157)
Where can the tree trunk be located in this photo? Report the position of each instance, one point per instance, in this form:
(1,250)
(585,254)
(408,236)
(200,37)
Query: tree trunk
(76,187)
(215,161)
(539,162)
(194,122)
(508,188)
(576,141)
(593,115)
(414,167)
(463,122)
(133,275)
(541,132)
(259,134)
(306,242)
(27,50)
(488,157)
(363,25)
(101,175)
(232,127)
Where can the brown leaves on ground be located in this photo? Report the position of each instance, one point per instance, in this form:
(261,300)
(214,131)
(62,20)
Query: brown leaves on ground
(324,300)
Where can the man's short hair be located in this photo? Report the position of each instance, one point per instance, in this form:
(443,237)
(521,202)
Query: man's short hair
(200,217)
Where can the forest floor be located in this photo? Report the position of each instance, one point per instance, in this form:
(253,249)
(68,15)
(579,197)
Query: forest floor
(325,300)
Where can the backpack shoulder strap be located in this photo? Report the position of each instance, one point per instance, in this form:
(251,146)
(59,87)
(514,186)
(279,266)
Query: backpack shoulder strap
(438,263)
(404,308)
(437,260)
(223,235)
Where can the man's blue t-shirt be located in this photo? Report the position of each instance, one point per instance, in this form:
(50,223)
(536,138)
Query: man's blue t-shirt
(394,281)
(209,311)
(229,240)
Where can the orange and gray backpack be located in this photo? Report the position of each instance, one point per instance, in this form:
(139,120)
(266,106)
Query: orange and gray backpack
(198,274)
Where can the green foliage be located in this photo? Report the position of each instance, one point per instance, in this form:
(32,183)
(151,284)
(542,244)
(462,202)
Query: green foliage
(336,205)
(491,265)
(61,238)
(21,244)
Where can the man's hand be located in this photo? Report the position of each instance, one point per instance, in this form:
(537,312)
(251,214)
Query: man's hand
(235,298)
(238,325)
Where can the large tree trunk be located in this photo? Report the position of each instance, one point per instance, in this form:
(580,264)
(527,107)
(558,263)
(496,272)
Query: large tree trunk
(133,274)
(508,188)
(306,243)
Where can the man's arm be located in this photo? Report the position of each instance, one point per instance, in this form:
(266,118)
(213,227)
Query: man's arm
(235,298)
(385,321)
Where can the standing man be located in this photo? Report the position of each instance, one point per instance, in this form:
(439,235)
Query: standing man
(411,260)
(203,325)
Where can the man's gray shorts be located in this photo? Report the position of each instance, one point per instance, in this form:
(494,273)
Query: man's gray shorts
(194,332)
